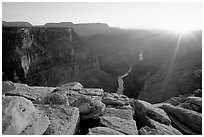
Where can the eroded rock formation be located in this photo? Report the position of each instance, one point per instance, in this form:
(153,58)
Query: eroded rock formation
(51,57)
(72,109)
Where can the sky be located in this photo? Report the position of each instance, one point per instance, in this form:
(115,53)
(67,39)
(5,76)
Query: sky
(177,15)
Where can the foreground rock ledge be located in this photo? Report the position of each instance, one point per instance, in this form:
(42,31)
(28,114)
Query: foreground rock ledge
(72,109)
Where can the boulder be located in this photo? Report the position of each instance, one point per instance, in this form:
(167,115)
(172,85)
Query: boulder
(195,100)
(122,125)
(121,113)
(103,131)
(151,111)
(147,131)
(53,98)
(89,108)
(163,129)
(64,120)
(70,95)
(76,86)
(198,93)
(190,118)
(7,86)
(19,116)
(115,99)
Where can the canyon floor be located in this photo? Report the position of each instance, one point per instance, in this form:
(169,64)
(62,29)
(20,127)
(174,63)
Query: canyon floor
(71,109)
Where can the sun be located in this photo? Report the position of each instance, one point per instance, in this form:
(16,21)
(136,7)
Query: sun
(181,30)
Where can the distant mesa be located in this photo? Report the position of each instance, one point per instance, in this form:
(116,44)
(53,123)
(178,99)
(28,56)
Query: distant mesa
(16,24)
(70,24)
(83,29)
(61,24)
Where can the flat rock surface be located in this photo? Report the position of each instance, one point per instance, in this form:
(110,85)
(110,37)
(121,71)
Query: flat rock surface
(121,113)
(19,116)
(92,91)
(125,126)
(63,119)
(103,131)
(73,95)
(31,92)
(71,86)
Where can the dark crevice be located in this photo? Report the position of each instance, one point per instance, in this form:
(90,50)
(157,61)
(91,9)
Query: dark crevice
(141,120)
(86,124)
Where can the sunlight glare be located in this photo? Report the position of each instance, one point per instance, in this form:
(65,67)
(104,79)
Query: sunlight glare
(179,29)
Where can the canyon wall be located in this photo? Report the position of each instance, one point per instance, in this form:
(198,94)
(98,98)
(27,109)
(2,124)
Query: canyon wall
(53,54)
(51,57)
(171,67)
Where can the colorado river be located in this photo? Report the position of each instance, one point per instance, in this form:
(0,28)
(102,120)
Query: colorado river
(120,78)
(121,82)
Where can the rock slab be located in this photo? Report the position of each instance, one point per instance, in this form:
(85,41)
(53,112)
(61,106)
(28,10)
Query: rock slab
(19,116)
(163,129)
(189,117)
(122,125)
(63,119)
(152,111)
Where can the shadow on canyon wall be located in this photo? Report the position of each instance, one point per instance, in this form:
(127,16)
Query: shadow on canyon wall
(98,54)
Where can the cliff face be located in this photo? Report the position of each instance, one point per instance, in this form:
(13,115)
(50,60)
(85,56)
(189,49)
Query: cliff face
(114,58)
(168,69)
(51,57)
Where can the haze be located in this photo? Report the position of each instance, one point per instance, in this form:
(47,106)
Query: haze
(123,15)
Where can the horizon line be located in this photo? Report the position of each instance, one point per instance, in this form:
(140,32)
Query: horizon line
(84,23)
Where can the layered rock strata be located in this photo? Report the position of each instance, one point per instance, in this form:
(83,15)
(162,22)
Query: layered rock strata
(72,109)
